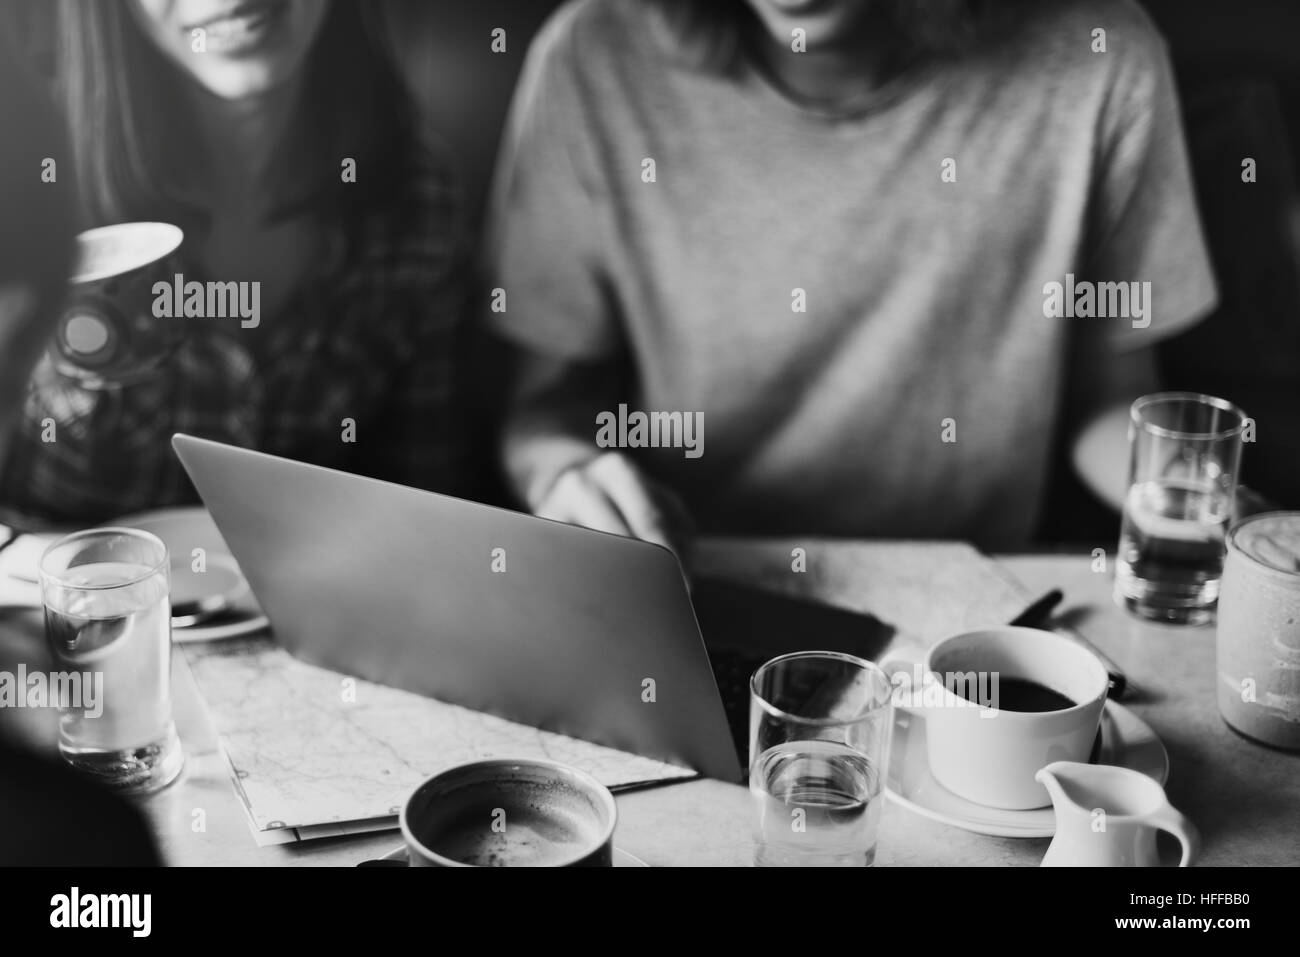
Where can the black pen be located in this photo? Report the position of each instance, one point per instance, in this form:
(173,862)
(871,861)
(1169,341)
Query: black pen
(1039,613)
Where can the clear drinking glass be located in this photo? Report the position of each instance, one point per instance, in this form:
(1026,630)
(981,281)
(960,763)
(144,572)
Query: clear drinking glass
(1185,453)
(108,621)
(819,729)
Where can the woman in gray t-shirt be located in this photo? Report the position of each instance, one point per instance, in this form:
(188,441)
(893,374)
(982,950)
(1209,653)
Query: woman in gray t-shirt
(828,268)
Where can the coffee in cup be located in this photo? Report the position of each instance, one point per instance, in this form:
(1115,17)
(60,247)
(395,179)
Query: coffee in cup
(507,813)
(1012,700)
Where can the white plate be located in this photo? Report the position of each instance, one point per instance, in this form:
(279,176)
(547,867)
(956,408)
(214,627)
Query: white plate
(621,857)
(182,530)
(1126,740)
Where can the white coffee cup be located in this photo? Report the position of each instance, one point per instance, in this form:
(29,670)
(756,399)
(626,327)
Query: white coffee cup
(988,754)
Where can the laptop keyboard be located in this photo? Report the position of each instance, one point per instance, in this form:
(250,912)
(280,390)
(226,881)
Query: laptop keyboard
(732,669)
(743,627)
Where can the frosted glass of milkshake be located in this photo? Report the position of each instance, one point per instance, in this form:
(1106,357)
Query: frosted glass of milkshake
(1259,630)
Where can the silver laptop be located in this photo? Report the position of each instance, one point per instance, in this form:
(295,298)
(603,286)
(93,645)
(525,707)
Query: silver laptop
(543,623)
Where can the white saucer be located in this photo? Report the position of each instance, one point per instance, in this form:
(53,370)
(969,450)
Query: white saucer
(182,530)
(621,857)
(1126,740)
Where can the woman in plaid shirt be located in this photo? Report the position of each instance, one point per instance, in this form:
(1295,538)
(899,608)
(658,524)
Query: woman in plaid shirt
(247,144)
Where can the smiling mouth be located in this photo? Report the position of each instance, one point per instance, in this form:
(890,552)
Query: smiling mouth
(243,28)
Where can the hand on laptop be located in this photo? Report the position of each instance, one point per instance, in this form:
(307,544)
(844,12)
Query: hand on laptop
(610,494)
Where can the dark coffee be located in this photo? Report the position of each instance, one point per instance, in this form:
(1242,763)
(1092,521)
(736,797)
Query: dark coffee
(1021,694)
(513,823)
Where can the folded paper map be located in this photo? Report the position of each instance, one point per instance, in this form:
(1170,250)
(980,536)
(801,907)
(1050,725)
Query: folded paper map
(323,753)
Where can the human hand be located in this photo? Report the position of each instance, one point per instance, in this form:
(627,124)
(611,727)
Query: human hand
(610,494)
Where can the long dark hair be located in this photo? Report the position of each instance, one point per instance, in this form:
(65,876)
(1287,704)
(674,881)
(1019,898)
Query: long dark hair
(709,33)
(129,129)
(36,217)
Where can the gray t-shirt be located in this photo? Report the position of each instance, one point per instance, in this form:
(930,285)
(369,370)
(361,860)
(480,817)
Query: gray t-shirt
(919,391)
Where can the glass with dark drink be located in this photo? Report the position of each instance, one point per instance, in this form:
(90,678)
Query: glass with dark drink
(1185,454)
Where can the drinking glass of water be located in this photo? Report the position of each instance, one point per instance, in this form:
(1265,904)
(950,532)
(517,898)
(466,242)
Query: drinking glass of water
(108,625)
(1185,453)
(819,728)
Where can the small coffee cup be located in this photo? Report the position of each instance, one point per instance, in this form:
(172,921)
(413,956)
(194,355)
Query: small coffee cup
(508,813)
(108,332)
(1012,701)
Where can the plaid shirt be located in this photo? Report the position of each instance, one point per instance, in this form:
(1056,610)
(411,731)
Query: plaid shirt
(372,343)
